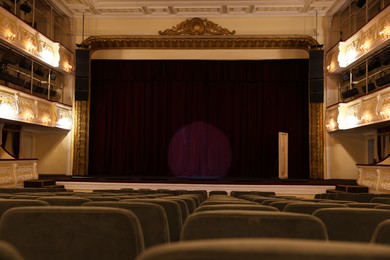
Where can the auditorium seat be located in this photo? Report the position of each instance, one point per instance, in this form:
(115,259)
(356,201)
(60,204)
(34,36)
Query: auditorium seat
(249,223)
(281,204)
(102,198)
(218,192)
(364,205)
(72,232)
(152,218)
(235,207)
(190,200)
(365,197)
(382,233)
(351,224)
(183,206)
(202,194)
(64,200)
(346,196)
(172,209)
(310,207)
(258,248)
(383,206)
(271,200)
(383,200)
(5,195)
(13,203)
(9,252)
(197,198)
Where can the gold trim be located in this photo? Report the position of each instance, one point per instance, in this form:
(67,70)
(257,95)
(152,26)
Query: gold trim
(196,26)
(81,138)
(316,140)
(200,42)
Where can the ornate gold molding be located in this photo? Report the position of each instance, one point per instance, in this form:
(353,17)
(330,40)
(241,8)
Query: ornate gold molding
(197,26)
(81,138)
(316,140)
(200,42)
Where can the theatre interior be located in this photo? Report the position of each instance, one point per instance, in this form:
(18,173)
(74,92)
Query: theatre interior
(194,129)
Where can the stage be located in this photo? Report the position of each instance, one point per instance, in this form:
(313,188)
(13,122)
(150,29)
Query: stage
(302,187)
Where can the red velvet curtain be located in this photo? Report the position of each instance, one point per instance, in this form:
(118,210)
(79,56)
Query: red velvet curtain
(197,119)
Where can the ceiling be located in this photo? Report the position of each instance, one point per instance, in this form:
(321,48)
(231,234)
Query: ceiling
(197,8)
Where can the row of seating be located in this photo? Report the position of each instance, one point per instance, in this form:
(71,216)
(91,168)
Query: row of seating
(166,217)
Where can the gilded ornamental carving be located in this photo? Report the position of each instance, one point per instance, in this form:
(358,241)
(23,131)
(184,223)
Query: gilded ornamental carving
(197,26)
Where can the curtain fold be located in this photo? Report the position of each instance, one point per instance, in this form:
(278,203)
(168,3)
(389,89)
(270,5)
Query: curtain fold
(197,119)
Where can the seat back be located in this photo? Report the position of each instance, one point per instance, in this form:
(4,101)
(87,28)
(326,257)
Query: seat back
(64,200)
(310,207)
(235,207)
(382,233)
(13,203)
(152,218)
(351,224)
(173,211)
(72,232)
(275,249)
(249,223)
(9,252)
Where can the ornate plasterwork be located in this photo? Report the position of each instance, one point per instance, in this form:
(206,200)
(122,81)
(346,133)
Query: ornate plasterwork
(376,177)
(370,109)
(197,26)
(14,171)
(200,42)
(23,107)
(81,140)
(316,141)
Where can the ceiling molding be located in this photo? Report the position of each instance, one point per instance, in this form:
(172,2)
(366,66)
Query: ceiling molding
(195,8)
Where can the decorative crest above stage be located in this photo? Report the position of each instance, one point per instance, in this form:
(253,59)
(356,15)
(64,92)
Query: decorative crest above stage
(196,26)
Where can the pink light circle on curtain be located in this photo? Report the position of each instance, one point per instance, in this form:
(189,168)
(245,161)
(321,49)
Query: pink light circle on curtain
(199,150)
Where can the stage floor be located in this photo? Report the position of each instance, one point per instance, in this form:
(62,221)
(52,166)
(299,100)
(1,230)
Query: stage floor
(301,187)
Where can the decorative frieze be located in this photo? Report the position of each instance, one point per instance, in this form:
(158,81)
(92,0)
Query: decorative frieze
(23,107)
(15,171)
(370,109)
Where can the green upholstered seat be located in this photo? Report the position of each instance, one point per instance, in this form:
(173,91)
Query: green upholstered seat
(69,232)
(272,249)
(152,218)
(235,207)
(248,223)
(172,209)
(351,224)
(310,207)
(64,200)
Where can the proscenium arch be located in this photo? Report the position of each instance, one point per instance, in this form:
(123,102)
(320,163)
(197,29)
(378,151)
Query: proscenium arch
(200,42)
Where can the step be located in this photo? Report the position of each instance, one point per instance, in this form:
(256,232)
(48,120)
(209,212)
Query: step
(38,183)
(352,188)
